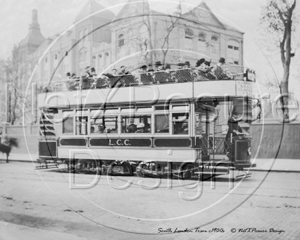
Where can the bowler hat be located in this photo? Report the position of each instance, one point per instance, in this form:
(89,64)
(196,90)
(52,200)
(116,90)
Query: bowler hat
(199,62)
(187,63)
(158,63)
(222,60)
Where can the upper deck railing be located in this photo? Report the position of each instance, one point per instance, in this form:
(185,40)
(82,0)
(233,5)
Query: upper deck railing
(147,78)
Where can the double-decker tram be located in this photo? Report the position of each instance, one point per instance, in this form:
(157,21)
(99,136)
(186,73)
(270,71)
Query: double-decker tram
(181,128)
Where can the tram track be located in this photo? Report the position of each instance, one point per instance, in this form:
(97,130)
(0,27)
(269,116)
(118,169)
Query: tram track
(51,176)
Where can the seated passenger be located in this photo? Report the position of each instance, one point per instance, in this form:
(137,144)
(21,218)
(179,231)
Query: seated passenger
(114,130)
(87,72)
(73,75)
(186,65)
(124,71)
(131,127)
(114,72)
(218,70)
(143,69)
(140,128)
(202,71)
(68,75)
(159,66)
(93,72)
(180,65)
(101,129)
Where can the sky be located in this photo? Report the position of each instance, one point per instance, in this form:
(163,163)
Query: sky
(56,16)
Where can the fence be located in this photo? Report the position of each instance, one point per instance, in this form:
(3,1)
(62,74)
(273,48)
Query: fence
(275,139)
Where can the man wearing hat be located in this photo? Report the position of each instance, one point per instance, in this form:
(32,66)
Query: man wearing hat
(233,128)
(203,70)
(143,69)
(199,62)
(186,65)
(159,66)
(100,129)
(218,70)
(131,127)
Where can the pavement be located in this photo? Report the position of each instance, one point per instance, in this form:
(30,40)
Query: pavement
(276,165)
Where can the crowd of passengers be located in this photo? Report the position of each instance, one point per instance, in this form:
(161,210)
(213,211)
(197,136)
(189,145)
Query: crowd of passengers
(179,128)
(159,74)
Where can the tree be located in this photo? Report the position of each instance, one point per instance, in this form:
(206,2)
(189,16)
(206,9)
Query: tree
(170,24)
(277,18)
(15,75)
(154,33)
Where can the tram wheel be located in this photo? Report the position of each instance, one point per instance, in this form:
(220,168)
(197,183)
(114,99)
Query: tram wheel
(187,172)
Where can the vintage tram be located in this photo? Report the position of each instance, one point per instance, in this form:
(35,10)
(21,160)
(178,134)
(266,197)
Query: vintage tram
(140,126)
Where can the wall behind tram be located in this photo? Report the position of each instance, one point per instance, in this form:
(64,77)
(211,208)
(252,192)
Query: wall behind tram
(272,137)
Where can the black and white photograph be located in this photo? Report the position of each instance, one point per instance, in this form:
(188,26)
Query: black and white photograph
(149,119)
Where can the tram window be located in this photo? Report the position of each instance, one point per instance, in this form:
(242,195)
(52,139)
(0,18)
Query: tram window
(81,125)
(108,125)
(180,123)
(180,108)
(136,124)
(162,123)
(68,123)
(164,107)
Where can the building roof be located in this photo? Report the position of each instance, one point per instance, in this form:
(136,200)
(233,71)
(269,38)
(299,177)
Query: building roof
(92,7)
(34,35)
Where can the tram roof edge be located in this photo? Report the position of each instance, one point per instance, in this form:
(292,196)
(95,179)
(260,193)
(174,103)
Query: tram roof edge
(150,94)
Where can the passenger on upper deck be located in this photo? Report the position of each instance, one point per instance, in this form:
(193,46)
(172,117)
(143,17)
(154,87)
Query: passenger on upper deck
(88,72)
(124,71)
(143,69)
(180,65)
(114,72)
(219,71)
(202,71)
(168,68)
(93,72)
(186,65)
(73,75)
(159,66)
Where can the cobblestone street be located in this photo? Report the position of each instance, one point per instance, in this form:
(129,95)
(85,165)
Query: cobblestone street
(42,205)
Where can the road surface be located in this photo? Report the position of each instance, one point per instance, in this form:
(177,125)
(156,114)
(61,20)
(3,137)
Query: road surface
(53,204)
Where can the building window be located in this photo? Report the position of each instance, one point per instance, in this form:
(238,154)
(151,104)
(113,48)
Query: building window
(121,41)
(94,61)
(201,42)
(233,52)
(215,48)
(82,55)
(107,36)
(85,35)
(106,58)
(188,39)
